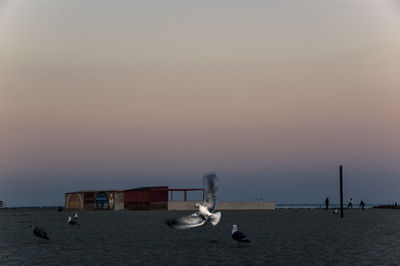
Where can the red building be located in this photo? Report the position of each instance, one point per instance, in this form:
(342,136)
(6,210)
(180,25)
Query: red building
(146,198)
(143,198)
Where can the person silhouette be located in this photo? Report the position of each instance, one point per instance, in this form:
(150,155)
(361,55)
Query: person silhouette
(362,205)
(326,203)
(350,205)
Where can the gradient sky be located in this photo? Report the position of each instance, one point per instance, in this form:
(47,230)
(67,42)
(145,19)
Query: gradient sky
(272,95)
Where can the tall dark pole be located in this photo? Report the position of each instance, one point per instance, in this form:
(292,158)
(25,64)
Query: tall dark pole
(341,191)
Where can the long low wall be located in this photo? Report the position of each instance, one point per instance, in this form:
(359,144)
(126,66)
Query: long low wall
(189,205)
(256,205)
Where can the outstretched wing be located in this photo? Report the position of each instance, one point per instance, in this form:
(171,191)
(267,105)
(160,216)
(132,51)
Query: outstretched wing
(186,222)
(211,187)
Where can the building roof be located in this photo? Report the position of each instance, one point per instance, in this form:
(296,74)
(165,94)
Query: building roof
(93,191)
(148,188)
(118,190)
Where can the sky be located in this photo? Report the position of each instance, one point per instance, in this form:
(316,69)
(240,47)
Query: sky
(271,95)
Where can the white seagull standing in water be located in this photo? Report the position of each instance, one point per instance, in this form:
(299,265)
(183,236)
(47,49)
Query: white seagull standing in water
(238,236)
(76,216)
(205,212)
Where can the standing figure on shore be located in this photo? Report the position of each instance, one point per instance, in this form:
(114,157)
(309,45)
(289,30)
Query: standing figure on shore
(326,203)
(350,205)
(362,205)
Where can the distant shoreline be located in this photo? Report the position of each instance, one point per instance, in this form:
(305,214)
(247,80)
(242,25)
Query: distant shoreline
(387,207)
(278,207)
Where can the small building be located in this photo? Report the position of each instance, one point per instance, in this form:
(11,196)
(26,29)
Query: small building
(95,200)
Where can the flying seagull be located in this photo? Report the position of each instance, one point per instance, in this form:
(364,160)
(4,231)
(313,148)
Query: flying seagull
(39,232)
(238,236)
(205,212)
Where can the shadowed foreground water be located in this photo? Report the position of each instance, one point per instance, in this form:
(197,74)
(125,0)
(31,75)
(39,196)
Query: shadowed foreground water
(280,237)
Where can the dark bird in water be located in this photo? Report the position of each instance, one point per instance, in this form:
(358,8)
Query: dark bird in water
(239,236)
(205,212)
(72,222)
(39,232)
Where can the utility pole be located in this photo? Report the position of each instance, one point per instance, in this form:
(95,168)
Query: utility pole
(341,190)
